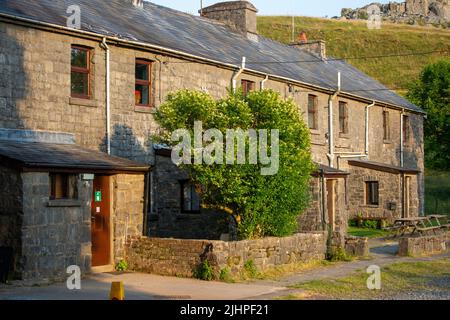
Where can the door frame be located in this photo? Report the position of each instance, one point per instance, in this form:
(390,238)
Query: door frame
(110,265)
(331,216)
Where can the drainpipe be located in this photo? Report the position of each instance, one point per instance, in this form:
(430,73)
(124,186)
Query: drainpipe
(108,101)
(264,82)
(367,127)
(238,73)
(401,138)
(330,154)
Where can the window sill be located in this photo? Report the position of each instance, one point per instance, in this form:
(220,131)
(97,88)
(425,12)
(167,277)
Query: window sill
(387,141)
(314,132)
(64,203)
(344,135)
(83,102)
(142,109)
(375,206)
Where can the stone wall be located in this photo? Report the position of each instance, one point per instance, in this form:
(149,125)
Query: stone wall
(357,246)
(175,257)
(128,210)
(11,214)
(167,219)
(417,246)
(54,236)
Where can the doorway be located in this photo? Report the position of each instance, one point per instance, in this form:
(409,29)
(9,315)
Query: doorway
(100,221)
(331,203)
(407,196)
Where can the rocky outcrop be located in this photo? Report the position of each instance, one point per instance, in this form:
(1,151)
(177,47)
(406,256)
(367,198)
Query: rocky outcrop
(410,11)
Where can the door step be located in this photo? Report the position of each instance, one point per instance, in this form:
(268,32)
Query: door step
(103,269)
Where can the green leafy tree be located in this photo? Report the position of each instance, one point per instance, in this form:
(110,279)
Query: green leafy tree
(262,205)
(432,93)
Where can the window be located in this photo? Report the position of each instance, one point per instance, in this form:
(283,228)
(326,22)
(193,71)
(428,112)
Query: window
(312,112)
(63,186)
(372,195)
(386,126)
(343,117)
(247,87)
(405,130)
(143,83)
(80,72)
(190,200)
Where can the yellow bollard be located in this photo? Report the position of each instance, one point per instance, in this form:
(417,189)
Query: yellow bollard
(117,291)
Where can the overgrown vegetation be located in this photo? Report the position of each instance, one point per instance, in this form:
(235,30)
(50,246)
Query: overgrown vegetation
(432,92)
(353,39)
(204,271)
(395,278)
(121,266)
(261,205)
(335,254)
(250,270)
(437,193)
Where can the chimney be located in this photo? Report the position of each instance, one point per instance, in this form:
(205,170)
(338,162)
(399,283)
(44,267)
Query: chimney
(239,15)
(316,47)
(138,3)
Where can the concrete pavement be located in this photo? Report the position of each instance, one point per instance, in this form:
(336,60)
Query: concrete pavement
(140,286)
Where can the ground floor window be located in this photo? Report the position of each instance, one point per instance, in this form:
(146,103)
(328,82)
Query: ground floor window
(372,193)
(63,186)
(190,200)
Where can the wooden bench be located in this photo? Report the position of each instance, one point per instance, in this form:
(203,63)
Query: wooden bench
(426,229)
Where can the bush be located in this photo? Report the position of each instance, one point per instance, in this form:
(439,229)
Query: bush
(205,271)
(122,266)
(370,224)
(336,254)
(261,205)
(250,269)
(225,275)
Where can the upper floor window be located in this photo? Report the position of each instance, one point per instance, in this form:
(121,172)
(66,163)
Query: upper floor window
(386,126)
(372,193)
(312,112)
(343,117)
(190,200)
(247,87)
(405,129)
(63,186)
(80,72)
(143,84)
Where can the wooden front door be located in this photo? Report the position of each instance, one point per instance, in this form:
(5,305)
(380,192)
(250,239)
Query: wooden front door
(100,221)
(331,203)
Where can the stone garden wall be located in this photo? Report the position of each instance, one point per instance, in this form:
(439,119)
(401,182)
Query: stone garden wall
(417,246)
(176,257)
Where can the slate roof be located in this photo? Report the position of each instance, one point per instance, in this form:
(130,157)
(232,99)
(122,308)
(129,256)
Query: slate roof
(382,166)
(329,170)
(171,29)
(72,157)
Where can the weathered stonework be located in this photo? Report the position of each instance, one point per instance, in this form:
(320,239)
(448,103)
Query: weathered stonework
(175,257)
(357,246)
(417,246)
(128,208)
(53,237)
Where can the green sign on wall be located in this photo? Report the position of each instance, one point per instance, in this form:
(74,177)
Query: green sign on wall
(98,196)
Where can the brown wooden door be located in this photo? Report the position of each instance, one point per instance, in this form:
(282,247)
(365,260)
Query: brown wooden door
(100,221)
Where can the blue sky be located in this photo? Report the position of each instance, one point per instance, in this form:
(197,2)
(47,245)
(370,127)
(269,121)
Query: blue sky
(316,8)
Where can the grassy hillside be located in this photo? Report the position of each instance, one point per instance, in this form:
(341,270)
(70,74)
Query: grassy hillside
(353,39)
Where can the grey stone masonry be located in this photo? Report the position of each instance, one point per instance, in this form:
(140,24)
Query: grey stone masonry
(54,236)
